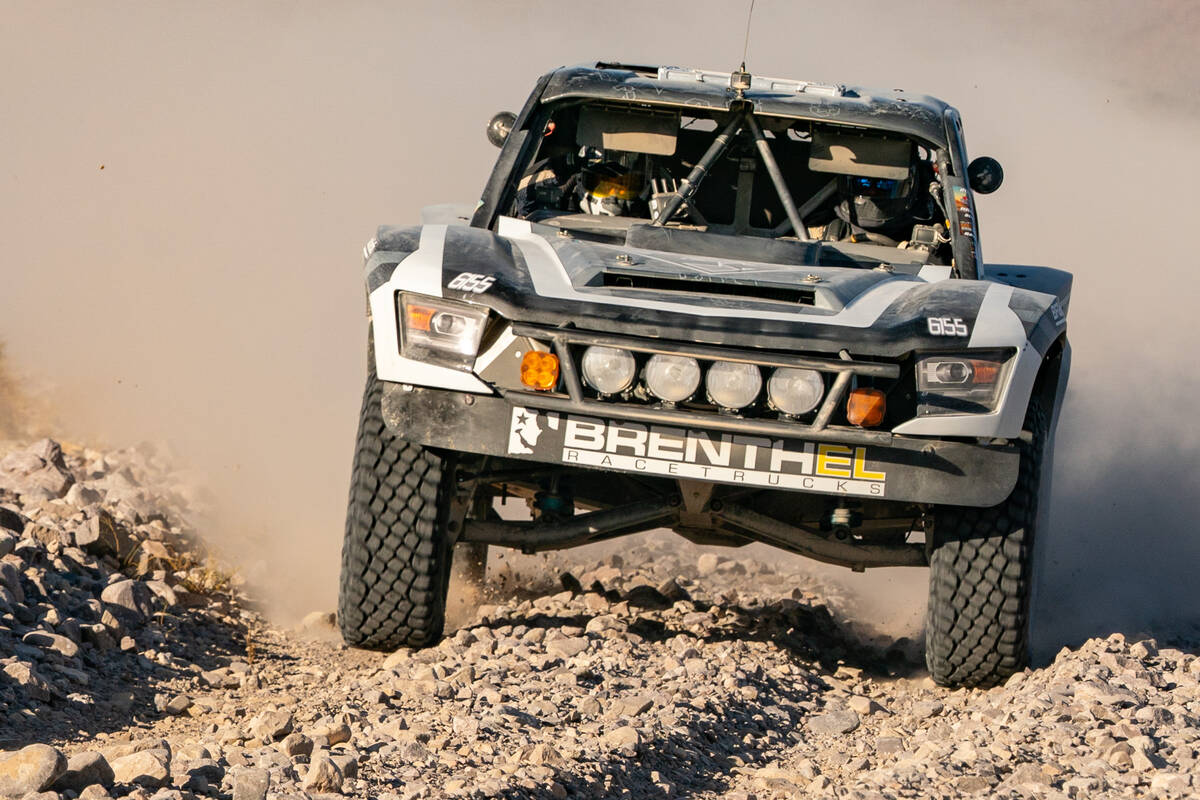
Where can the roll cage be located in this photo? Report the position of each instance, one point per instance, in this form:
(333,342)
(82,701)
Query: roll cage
(739,121)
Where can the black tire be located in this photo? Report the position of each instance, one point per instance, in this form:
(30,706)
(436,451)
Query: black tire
(980,574)
(396,554)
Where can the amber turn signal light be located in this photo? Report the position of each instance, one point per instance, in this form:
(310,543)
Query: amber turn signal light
(865,407)
(539,370)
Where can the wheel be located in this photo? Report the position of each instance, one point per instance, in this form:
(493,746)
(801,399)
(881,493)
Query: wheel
(396,553)
(980,574)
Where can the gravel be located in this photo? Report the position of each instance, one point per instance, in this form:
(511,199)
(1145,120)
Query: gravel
(133,668)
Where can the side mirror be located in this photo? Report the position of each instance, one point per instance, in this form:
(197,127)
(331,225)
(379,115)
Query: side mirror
(985,174)
(499,126)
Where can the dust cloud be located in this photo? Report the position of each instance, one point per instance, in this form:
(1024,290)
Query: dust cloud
(186,189)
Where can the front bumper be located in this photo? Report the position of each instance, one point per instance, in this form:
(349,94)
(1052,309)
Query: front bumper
(902,469)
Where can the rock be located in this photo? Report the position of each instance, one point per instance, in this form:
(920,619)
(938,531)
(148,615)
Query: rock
(927,708)
(80,495)
(178,705)
(10,521)
(251,784)
(1170,783)
(31,769)
(1148,648)
(863,706)
(323,776)
(26,677)
(52,641)
(318,623)
(83,770)
(886,745)
(707,564)
(130,598)
(296,744)
(644,596)
(567,647)
(334,733)
(833,722)
(271,725)
(397,658)
(624,740)
(35,476)
(95,792)
(631,706)
(146,768)
(102,535)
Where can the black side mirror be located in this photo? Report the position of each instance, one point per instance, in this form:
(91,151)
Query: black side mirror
(499,126)
(985,174)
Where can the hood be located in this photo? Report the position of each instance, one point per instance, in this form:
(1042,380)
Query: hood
(543,277)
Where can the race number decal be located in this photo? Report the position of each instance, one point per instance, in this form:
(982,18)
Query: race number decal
(947,326)
(471,282)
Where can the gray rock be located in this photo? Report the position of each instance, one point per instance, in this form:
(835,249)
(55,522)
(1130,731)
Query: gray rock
(30,769)
(26,677)
(834,722)
(10,578)
(128,597)
(102,535)
(83,770)
(567,647)
(81,496)
(52,641)
(251,784)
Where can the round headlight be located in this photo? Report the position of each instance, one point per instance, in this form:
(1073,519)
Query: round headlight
(732,385)
(608,370)
(795,391)
(672,378)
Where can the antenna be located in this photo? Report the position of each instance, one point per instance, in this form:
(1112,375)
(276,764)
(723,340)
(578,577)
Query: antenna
(746,46)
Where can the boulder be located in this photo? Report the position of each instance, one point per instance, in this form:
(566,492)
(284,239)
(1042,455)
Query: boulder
(30,769)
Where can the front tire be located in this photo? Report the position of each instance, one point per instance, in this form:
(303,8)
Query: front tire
(980,574)
(396,553)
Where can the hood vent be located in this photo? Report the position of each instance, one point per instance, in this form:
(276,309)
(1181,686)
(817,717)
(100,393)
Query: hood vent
(622,279)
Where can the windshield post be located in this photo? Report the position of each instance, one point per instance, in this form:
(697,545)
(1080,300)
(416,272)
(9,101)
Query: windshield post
(785,197)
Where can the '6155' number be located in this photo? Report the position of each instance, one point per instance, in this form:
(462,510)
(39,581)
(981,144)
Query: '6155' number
(471,282)
(947,326)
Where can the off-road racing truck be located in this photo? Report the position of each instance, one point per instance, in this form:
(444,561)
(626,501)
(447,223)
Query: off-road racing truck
(742,308)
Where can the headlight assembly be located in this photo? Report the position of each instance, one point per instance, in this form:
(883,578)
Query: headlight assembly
(795,391)
(957,384)
(733,385)
(672,378)
(608,370)
(440,331)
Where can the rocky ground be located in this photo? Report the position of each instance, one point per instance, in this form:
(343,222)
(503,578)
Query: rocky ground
(130,666)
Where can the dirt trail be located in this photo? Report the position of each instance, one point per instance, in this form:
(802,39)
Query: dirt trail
(652,672)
